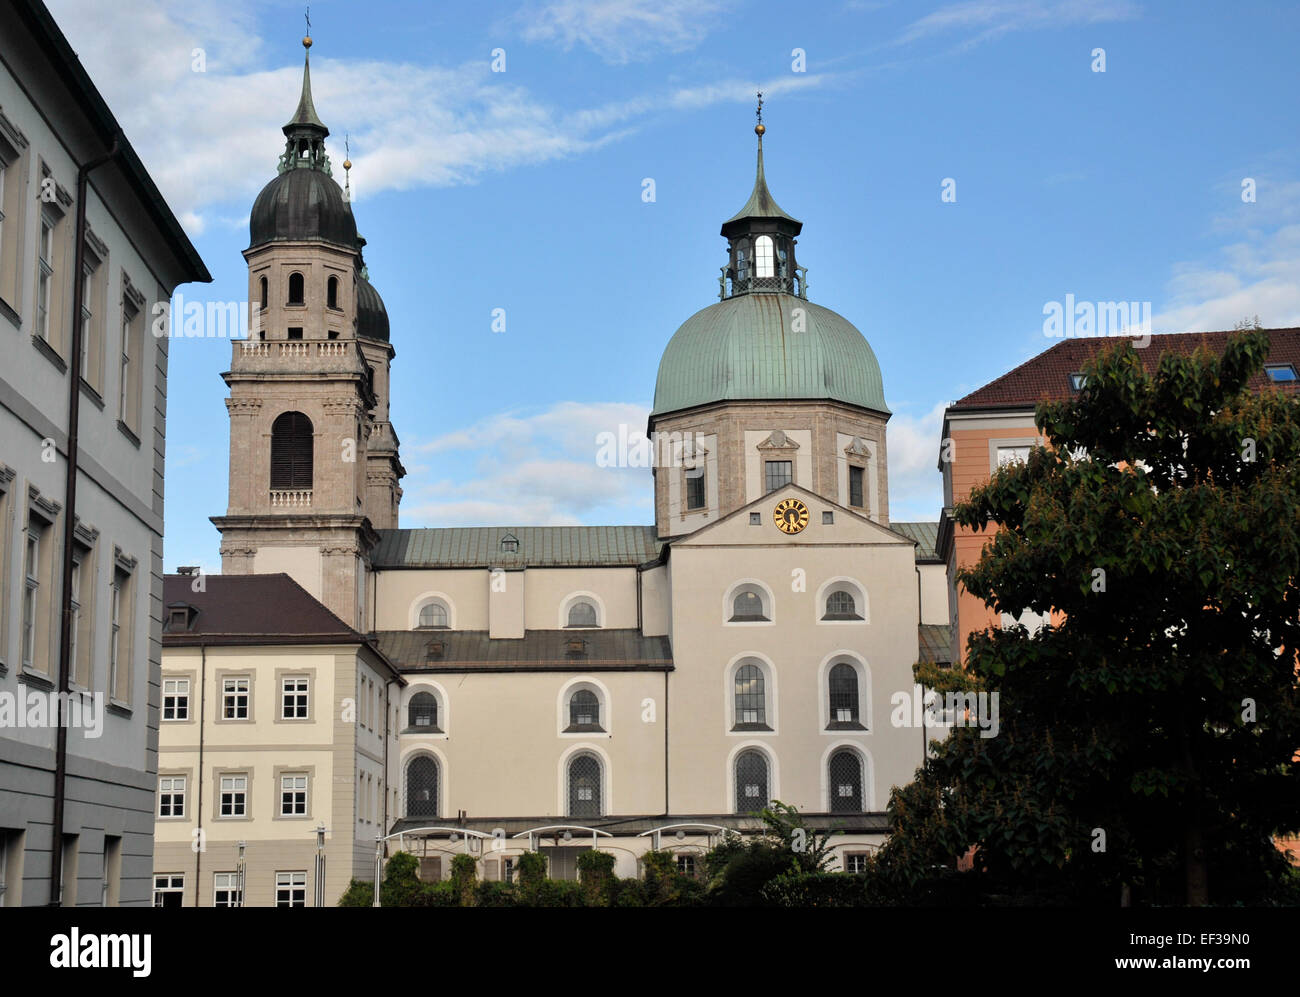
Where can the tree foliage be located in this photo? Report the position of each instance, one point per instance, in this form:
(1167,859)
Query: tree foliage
(1148,739)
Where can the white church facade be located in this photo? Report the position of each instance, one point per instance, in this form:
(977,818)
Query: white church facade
(492,690)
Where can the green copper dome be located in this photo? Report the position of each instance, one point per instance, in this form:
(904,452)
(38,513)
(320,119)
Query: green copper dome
(745,347)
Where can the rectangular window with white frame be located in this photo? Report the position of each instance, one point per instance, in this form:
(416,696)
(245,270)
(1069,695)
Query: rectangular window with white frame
(37,641)
(176,699)
(293,795)
(168,889)
(45,276)
(293,697)
(291,889)
(171,797)
(233,798)
(234,698)
(121,632)
(225,890)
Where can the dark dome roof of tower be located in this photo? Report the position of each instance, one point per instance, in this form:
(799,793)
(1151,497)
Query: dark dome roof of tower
(372,316)
(300,205)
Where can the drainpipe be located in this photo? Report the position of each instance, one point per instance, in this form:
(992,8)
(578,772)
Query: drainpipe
(665,743)
(203,704)
(388,713)
(69,528)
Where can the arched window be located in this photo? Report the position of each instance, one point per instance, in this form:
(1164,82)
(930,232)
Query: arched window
(583,614)
(291,446)
(845,782)
(433,617)
(296,296)
(265,291)
(584,786)
(423,711)
(422,787)
(844,602)
(332,293)
(764,257)
(584,711)
(844,696)
(742,265)
(751,781)
(748,606)
(751,701)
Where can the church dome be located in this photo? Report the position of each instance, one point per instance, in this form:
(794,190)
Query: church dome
(372,316)
(299,205)
(745,348)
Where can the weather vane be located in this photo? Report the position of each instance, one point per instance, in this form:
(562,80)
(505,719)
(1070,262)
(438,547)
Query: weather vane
(308,16)
(758,128)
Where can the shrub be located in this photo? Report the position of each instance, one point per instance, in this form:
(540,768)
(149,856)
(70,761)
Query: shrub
(497,895)
(815,889)
(463,877)
(401,884)
(358,894)
(596,870)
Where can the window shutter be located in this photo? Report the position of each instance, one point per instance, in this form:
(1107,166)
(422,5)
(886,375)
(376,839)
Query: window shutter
(491,870)
(291,451)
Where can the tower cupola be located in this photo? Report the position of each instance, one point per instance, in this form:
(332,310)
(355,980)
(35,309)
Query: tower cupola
(761,240)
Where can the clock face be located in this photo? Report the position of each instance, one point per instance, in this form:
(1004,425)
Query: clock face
(790,515)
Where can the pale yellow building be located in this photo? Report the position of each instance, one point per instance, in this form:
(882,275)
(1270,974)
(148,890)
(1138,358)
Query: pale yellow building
(619,687)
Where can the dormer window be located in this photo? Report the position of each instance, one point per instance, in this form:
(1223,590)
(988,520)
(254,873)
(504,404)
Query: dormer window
(434,616)
(583,614)
(510,544)
(1077,381)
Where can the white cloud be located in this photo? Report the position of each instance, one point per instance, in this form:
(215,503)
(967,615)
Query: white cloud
(210,139)
(1258,273)
(530,469)
(915,485)
(621,31)
(983,20)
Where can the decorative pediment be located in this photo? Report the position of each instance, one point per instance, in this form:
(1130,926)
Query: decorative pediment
(96,245)
(84,535)
(857,448)
(132,293)
(13,135)
(778,441)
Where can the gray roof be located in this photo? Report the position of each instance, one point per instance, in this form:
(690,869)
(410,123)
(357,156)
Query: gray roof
(537,650)
(539,547)
(926,536)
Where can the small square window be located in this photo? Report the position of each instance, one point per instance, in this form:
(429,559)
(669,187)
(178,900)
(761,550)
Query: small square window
(295,332)
(1281,373)
(755,519)
(1077,381)
(828,517)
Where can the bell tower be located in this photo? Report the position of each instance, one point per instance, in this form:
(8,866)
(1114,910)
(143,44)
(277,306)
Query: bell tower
(308,387)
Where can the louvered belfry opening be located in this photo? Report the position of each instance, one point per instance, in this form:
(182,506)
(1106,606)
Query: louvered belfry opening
(291,447)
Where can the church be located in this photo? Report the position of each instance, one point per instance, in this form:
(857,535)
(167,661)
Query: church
(348,687)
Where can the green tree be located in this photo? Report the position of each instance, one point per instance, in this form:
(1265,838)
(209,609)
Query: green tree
(1148,741)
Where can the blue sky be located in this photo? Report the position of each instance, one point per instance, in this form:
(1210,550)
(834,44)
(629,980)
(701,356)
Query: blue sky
(521,190)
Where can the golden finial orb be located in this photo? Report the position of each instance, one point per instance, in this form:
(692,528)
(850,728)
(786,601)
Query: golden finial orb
(759,129)
(306,42)
(347,164)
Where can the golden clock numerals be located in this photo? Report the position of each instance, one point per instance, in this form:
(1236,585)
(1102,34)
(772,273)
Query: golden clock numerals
(790,515)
